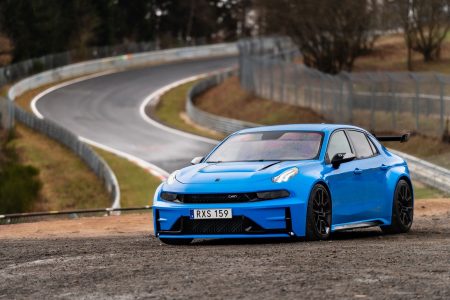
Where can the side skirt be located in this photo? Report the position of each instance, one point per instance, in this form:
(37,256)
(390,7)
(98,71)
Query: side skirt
(357,225)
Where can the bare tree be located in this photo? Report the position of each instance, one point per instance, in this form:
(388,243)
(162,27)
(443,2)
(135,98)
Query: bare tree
(331,34)
(426,24)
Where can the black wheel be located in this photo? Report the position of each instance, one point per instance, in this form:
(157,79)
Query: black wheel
(402,209)
(318,219)
(176,242)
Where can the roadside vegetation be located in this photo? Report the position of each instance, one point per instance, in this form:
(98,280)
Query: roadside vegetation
(67,183)
(137,186)
(171,112)
(19,183)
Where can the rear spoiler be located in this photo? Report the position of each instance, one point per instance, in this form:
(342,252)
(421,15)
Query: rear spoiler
(399,138)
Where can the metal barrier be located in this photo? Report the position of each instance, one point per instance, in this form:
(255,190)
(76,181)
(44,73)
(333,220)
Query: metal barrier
(6,113)
(380,101)
(38,216)
(217,123)
(64,136)
(421,170)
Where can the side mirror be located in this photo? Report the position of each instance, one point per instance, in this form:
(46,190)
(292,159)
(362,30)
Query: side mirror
(340,158)
(196,160)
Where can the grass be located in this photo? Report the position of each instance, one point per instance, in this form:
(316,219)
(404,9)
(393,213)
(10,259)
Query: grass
(67,182)
(171,111)
(424,192)
(78,187)
(136,185)
(226,97)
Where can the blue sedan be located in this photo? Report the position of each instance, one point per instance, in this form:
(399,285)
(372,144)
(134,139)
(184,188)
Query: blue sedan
(306,180)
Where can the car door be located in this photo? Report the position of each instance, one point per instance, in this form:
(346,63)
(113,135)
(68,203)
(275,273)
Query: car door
(372,174)
(342,182)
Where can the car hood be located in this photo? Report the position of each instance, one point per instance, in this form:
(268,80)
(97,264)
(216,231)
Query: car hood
(229,172)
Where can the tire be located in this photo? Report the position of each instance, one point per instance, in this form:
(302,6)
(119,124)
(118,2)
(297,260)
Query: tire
(318,218)
(176,241)
(402,209)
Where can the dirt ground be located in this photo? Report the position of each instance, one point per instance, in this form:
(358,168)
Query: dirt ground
(117,257)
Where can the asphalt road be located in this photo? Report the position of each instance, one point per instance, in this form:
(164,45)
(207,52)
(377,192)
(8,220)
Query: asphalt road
(106,110)
(354,265)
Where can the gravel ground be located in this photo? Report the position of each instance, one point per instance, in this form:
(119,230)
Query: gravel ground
(356,264)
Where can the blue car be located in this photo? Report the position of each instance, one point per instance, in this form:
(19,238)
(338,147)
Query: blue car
(306,180)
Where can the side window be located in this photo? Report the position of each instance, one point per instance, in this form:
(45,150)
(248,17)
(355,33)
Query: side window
(338,144)
(372,145)
(361,144)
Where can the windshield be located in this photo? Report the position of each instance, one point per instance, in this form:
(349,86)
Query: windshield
(269,145)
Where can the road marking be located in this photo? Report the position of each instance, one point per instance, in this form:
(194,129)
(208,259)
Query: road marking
(61,85)
(153,99)
(149,167)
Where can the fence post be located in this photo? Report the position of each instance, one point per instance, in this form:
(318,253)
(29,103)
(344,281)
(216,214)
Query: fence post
(373,86)
(296,81)
(282,83)
(442,105)
(416,100)
(322,97)
(392,103)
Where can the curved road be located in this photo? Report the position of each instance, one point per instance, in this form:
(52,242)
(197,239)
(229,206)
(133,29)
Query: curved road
(105,109)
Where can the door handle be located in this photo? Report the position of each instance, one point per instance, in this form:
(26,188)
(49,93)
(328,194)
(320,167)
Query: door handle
(384,167)
(357,171)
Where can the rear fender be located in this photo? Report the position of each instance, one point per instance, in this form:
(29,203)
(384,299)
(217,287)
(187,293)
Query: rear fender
(394,175)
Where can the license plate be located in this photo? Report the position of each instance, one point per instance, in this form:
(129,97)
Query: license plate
(223,213)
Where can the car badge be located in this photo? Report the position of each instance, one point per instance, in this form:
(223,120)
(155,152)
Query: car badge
(217,179)
(232,196)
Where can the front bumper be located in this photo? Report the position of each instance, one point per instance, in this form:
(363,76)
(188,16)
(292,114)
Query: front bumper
(262,219)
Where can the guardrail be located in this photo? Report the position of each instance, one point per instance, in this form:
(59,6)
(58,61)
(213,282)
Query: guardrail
(423,171)
(208,120)
(29,217)
(63,135)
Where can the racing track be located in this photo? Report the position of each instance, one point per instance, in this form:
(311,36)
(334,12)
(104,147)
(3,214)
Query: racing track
(105,110)
(358,264)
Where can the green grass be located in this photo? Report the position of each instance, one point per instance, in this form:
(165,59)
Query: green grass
(171,109)
(67,181)
(424,192)
(137,186)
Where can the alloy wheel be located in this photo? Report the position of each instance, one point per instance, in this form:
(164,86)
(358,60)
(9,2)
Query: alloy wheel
(321,209)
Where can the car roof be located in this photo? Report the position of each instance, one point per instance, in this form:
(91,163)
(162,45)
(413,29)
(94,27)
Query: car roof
(304,127)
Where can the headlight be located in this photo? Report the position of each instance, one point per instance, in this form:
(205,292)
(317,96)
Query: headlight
(167,196)
(171,178)
(286,175)
(272,195)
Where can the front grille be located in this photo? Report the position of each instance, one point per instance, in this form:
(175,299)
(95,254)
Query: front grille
(218,198)
(236,225)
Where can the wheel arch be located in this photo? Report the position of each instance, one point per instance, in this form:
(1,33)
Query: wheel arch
(408,180)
